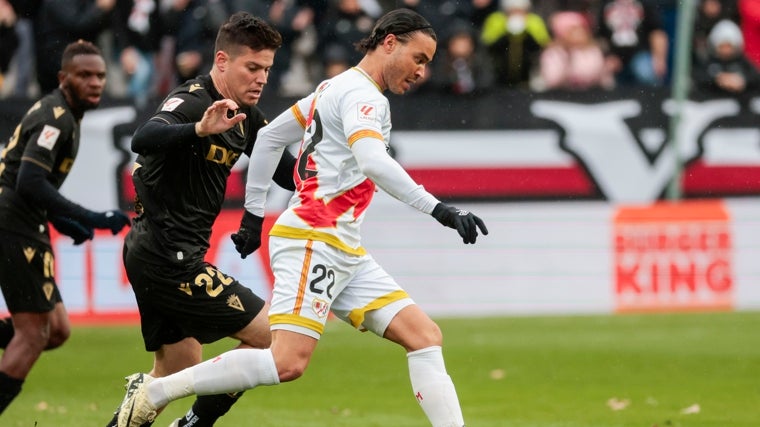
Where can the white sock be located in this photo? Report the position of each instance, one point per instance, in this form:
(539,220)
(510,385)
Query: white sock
(233,371)
(433,387)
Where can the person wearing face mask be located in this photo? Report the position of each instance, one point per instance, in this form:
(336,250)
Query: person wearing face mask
(514,37)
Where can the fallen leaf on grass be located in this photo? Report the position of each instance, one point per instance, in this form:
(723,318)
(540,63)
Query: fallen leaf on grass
(497,374)
(618,404)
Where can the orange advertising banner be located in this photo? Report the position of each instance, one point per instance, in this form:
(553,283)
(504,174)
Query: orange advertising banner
(673,257)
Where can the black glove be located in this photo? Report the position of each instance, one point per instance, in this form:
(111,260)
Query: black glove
(460,220)
(248,238)
(72,228)
(112,220)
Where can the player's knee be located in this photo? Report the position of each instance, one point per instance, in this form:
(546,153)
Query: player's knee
(57,337)
(291,372)
(430,335)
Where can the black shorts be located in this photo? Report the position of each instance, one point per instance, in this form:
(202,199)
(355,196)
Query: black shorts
(27,275)
(189,301)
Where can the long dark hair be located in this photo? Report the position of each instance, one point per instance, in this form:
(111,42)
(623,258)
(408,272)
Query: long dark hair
(400,22)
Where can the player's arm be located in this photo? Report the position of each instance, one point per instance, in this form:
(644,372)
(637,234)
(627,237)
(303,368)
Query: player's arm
(271,141)
(375,162)
(33,186)
(268,160)
(184,118)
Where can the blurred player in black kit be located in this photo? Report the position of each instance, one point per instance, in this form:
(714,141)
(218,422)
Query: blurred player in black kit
(185,154)
(35,163)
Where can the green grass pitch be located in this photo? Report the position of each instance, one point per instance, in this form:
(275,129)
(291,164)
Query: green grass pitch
(663,370)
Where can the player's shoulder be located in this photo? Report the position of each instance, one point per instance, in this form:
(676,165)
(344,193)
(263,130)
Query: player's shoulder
(51,110)
(354,86)
(192,96)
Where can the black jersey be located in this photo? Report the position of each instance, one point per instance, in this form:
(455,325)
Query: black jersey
(48,135)
(181,187)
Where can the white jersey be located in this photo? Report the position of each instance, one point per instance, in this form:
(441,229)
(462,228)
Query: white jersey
(343,154)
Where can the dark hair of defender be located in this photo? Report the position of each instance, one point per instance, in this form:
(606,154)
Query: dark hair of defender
(244,29)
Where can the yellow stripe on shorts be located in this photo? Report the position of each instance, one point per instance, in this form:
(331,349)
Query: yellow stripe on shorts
(356,316)
(294,319)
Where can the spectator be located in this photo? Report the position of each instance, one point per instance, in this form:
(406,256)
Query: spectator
(345,22)
(462,68)
(8,38)
(335,58)
(514,38)
(749,13)
(60,23)
(709,13)
(574,60)
(294,20)
(727,71)
(137,36)
(638,43)
(193,25)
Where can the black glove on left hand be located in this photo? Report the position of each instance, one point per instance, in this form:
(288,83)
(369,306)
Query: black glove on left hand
(113,220)
(248,237)
(72,228)
(460,220)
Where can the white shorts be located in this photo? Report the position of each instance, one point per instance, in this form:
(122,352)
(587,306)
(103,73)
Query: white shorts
(312,278)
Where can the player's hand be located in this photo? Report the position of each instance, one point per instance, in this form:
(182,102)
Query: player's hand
(72,228)
(460,220)
(218,118)
(112,220)
(248,237)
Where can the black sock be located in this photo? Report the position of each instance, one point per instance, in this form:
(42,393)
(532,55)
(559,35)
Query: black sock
(207,409)
(6,331)
(9,389)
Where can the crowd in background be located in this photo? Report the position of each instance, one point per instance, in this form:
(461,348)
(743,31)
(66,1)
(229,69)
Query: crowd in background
(538,45)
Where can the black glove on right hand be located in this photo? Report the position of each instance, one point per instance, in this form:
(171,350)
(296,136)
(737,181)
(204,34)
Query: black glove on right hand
(112,220)
(72,228)
(248,237)
(460,220)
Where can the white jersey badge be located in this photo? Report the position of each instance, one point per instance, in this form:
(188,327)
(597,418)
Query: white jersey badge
(48,137)
(366,112)
(171,104)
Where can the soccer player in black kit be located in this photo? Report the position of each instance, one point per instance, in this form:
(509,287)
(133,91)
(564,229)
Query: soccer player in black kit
(35,163)
(185,154)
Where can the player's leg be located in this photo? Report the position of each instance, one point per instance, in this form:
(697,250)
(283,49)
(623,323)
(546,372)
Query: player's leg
(431,384)
(209,408)
(300,305)
(32,297)
(6,331)
(376,302)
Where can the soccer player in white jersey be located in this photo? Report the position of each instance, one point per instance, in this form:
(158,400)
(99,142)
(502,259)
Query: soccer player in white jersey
(315,248)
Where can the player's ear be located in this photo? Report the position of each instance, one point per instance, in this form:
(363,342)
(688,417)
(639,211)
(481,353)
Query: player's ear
(61,77)
(390,42)
(221,59)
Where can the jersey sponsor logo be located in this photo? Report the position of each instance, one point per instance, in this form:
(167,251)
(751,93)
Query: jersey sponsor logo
(171,104)
(221,155)
(48,137)
(366,112)
(58,111)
